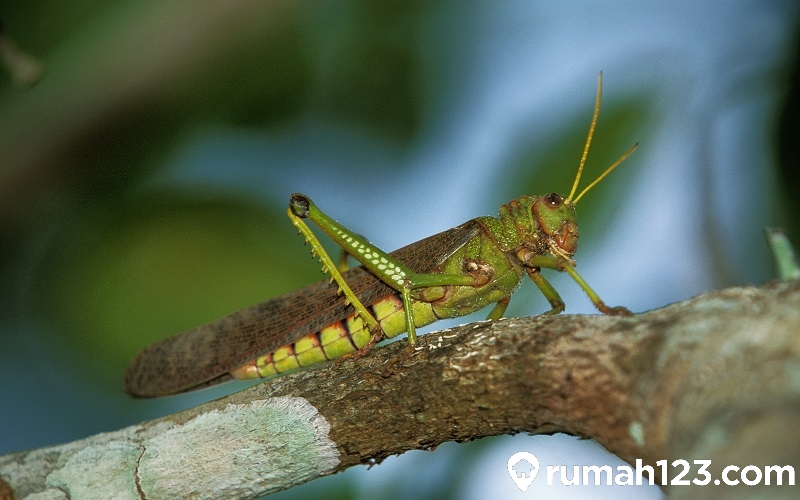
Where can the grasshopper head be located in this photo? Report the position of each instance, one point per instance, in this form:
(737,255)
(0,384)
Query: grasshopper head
(557,218)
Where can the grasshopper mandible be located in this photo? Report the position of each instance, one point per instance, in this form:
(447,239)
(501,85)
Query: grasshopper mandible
(450,274)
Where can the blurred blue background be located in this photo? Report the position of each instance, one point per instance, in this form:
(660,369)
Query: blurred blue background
(144,178)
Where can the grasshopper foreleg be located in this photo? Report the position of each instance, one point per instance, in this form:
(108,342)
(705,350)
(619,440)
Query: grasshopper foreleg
(534,262)
(598,303)
(550,293)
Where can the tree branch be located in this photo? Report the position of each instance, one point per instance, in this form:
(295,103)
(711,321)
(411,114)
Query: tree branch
(714,377)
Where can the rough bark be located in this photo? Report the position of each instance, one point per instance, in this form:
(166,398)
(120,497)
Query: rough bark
(715,377)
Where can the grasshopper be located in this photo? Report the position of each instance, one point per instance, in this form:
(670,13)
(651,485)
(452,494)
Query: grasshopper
(450,274)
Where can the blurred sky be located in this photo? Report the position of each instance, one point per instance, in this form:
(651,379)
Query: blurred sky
(144,179)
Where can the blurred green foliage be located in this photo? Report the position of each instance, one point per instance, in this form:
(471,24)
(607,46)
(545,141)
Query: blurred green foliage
(123,263)
(119,280)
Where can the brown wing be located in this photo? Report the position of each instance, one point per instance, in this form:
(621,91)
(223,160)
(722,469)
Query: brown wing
(204,356)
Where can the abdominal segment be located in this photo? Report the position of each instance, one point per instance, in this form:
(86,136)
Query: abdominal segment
(335,340)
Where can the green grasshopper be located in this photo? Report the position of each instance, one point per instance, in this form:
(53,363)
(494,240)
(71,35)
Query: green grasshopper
(450,274)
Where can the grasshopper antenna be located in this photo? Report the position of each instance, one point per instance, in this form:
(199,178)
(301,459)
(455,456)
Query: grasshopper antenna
(589,137)
(608,171)
(588,144)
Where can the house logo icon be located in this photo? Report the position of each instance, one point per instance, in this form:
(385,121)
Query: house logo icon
(522,467)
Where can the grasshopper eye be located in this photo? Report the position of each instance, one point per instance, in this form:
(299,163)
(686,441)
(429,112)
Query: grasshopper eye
(554,200)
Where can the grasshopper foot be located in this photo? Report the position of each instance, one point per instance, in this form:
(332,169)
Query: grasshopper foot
(355,356)
(389,367)
(614,311)
(376,337)
(557,307)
